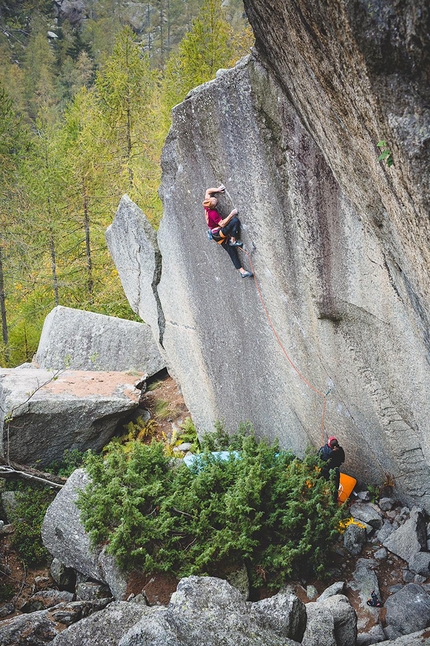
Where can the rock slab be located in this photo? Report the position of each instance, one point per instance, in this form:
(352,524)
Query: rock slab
(49,412)
(80,340)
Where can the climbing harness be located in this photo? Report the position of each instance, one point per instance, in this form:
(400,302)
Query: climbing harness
(218,236)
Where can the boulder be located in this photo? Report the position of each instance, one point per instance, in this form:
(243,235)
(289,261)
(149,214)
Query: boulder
(104,628)
(420,563)
(345,619)
(420,638)
(386,504)
(133,245)
(202,610)
(364,582)
(408,610)
(283,613)
(9,504)
(386,530)
(208,610)
(51,412)
(367,513)
(80,340)
(46,599)
(36,628)
(70,613)
(319,626)
(64,577)
(354,538)
(336,588)
(410,538)
(63,534)
(90,590)
(374,636)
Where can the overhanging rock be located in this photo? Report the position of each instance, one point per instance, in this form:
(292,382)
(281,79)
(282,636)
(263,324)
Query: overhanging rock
(46,412)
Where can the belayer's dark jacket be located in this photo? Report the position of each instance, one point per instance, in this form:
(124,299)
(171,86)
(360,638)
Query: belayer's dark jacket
(333,459)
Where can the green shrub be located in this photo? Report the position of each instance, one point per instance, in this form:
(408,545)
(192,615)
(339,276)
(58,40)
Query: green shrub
(28,516)
(72,459)
(262,506)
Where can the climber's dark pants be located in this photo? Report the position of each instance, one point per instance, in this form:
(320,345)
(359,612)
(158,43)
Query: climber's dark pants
(232,252)
(232,229)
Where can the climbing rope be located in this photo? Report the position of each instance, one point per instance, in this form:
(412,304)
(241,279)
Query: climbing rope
(290,361)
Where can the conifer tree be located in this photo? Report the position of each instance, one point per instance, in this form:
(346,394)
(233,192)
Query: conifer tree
(210,45)
(126,87)
(39,70)
(13,141)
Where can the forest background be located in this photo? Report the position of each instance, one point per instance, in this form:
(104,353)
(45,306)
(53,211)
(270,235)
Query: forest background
(84,111)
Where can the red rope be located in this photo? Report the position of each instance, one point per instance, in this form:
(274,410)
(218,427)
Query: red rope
(290,361)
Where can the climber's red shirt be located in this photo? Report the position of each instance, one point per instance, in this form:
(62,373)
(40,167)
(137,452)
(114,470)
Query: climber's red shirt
(212,218)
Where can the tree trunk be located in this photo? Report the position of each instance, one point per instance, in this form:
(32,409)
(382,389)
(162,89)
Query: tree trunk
(54,265)
(5,335)
(90,280)
(10,469)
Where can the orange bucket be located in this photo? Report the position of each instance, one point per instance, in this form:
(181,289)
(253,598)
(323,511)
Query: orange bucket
(346,485)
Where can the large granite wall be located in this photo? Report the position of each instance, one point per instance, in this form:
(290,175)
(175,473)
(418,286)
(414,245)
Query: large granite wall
(338,241)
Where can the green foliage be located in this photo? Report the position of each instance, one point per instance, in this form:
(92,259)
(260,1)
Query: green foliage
(83,119)
(262,506)
(27,520)
(386,154)
(139,430)
(221,440)
(210,44)
(374,491)
(6,591)
(72,459)
(189,434)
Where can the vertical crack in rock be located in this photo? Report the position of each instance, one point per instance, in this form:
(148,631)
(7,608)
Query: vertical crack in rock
(154,286)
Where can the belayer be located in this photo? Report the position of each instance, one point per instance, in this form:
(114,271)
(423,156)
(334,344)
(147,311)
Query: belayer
(333,456)
(225,231)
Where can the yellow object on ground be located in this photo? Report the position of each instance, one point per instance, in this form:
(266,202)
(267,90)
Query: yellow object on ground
(346,485)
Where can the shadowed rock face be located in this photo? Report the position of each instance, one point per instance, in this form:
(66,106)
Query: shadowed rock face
(338,242)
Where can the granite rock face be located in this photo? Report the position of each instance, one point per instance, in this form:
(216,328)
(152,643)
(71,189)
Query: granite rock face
(80,340)
(133,245)
(64,536)
(337,240)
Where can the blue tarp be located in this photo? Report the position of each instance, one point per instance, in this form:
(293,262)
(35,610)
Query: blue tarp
(192,460)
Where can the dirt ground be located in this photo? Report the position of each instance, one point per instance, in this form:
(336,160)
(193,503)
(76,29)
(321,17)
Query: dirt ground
(163,393)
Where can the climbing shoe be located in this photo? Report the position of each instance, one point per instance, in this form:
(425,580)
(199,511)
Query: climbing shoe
(246,274)
(238,243)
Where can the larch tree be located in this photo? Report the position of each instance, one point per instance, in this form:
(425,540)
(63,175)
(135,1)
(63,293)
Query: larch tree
(127,91)
(210,45)
(13,142)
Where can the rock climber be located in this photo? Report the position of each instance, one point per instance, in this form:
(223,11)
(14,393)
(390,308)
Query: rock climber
(225,231)
(333,456)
